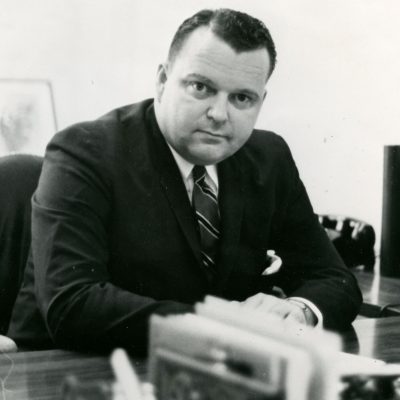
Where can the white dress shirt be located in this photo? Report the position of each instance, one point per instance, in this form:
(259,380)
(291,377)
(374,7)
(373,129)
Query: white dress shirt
(185,168)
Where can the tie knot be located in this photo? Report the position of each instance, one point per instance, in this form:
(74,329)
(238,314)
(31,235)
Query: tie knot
(198,172)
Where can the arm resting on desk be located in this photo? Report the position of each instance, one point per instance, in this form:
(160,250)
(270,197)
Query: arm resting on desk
(74,272)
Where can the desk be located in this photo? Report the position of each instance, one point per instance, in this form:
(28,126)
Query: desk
(378,291)
(38,375)
(376,338)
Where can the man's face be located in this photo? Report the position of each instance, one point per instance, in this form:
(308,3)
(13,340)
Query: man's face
(208,100)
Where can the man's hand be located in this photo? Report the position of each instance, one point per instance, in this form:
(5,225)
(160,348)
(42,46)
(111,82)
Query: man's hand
(7,345)
(287,309)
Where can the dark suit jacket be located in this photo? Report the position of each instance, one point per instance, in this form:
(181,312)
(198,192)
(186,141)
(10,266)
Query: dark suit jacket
(115,240)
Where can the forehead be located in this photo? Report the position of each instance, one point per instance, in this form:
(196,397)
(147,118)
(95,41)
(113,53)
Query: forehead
(206,54)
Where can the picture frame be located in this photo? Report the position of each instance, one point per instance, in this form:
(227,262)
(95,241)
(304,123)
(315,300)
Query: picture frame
(27,116)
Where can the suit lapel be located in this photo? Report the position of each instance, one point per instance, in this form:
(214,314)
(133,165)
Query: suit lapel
(231,202)
(174,188)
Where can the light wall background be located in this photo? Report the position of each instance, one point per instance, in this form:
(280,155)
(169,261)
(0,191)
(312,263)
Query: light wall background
(334,97)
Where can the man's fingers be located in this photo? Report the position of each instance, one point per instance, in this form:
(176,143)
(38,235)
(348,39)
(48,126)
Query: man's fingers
(260,301)
(267,303)
(272,305)
(285,309)
(255,301)
(296,316)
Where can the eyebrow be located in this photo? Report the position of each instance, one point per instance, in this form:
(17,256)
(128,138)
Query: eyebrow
(201,78)
(209,82)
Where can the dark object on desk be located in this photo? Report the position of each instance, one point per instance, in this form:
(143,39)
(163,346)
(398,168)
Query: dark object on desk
(380,294)
(375,311)
(19,175)
(370,311)
(389,310)
(354,240)
(390,239)
(370,387)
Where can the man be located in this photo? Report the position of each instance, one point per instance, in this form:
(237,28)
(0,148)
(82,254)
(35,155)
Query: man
(127,222)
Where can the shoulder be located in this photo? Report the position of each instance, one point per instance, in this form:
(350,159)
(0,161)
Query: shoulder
(96,150)
(104,142)
(106,129)
(264,140)
(266,159)
(265,147)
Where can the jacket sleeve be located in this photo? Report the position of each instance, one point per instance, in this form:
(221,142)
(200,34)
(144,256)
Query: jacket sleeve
(82,309)
(312,268)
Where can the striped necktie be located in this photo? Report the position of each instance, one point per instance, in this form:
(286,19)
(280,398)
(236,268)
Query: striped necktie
(205,204)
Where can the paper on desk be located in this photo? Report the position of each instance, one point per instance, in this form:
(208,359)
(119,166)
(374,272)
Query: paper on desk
(351,364)
(346,364)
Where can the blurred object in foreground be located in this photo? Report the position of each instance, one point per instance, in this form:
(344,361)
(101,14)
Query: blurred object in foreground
(222,353)
(380,383)
(75,389)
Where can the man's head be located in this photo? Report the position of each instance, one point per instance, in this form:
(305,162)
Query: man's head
(239,30)
(210,91)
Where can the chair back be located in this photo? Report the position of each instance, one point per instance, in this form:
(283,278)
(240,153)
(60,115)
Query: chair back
(19,176)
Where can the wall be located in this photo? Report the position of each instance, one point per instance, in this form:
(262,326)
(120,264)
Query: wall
(334,95)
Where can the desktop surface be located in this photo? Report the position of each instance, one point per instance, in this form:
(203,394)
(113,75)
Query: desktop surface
(39,374)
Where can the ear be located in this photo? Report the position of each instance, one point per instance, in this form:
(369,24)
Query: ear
(161,79)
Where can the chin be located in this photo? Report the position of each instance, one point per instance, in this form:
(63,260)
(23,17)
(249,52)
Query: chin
(207,159)
(205,155)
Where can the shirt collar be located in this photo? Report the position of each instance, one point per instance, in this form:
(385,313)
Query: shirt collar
(185,167)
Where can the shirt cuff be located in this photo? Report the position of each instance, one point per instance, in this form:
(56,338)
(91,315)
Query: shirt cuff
(313,308)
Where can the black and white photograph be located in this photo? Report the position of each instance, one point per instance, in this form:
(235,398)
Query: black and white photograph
(199,199)
(27,116)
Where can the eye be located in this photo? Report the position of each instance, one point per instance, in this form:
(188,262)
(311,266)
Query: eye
(242,101)
(199,90)
(241,98)
(199,86)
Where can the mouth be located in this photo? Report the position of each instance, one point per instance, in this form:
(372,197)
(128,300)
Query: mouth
(212,134)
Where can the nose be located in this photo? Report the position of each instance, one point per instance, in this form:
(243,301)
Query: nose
(218,109)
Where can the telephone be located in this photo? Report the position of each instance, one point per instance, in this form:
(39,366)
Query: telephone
(354,240)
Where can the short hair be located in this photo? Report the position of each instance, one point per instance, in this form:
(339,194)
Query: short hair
(239,30)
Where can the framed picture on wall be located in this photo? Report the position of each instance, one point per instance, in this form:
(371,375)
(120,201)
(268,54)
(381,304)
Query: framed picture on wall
(27,116)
